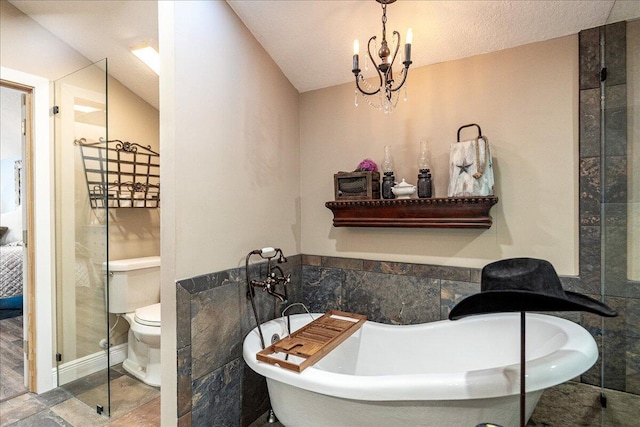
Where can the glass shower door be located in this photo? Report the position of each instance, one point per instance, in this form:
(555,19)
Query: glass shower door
(81,229)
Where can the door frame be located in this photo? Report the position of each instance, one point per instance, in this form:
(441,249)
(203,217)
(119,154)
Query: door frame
(28,272)
(38,172)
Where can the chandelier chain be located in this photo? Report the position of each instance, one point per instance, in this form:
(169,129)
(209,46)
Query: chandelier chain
(384,20)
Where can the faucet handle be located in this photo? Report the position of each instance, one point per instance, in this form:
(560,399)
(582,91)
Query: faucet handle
(284,279)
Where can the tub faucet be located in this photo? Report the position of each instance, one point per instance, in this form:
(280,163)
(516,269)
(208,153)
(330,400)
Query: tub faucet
(269,284)
(277,295)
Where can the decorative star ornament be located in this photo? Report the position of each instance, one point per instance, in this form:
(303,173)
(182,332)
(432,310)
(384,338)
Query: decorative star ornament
(464,167)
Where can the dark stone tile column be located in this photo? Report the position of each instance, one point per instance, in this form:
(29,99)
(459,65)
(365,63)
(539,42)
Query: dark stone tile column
(589,45)
(603,206)
(215,386)
(216,395)
(183,345)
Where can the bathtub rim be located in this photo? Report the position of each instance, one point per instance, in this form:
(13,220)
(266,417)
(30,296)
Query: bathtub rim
(578,355)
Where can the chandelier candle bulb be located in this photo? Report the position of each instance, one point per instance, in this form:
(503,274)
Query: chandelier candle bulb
(407,46)
(356,56)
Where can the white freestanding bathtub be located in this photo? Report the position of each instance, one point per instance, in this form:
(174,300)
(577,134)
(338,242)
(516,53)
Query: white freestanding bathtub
(443,373)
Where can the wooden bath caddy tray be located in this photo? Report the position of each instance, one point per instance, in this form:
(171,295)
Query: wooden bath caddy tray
(313,341)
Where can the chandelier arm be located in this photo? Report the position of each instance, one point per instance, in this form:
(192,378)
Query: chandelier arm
(376,66)
(364,92)
(395,52)
(377,70)
(404,78)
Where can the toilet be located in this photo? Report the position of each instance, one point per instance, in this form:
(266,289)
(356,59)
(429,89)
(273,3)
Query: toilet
(134,294)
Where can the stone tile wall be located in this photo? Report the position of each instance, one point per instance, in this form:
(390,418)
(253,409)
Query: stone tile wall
(215,387)
(386,292)
(573,404)
(603,206)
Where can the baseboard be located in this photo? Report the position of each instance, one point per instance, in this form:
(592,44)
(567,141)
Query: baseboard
(78,368)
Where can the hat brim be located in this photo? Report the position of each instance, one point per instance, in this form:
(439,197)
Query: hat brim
(519,300)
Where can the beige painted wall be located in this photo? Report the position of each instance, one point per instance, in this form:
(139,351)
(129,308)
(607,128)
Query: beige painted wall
(28,47)
(229,143)
(133,232)
(236,144)
(526,101)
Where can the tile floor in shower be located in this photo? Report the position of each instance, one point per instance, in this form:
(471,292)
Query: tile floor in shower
(133,403)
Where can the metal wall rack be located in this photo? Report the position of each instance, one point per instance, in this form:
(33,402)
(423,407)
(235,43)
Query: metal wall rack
(120,174)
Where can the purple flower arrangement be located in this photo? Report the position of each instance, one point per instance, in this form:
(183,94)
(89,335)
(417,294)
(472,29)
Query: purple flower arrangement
(367,165)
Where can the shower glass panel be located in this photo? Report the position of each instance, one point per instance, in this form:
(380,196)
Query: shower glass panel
(620,224)
(82,331)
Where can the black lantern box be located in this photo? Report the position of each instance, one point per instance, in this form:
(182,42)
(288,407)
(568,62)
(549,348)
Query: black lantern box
(357,185)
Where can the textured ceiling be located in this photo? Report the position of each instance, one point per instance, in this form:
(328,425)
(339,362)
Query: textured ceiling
(312,40)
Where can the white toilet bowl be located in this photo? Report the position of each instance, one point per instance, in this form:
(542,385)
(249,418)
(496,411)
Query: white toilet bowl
(134,294)
(143,356)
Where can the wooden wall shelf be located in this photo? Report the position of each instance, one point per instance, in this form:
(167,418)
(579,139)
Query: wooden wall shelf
(449,212)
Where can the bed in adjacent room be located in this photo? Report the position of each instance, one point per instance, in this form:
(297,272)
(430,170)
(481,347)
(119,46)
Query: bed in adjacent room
(10,279)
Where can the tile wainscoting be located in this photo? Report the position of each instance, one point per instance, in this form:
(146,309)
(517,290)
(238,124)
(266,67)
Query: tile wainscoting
(215,387)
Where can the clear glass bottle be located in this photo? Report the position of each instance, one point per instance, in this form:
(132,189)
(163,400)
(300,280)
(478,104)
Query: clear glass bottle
(423,160)
(424,177)
(388,178)
(387,163)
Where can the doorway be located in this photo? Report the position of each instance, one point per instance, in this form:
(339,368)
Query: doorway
(17,293)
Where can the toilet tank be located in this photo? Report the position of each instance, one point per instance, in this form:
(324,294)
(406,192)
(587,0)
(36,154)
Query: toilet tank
(133,283)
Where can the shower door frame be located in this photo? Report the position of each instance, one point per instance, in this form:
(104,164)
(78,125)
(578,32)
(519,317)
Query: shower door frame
(72,362)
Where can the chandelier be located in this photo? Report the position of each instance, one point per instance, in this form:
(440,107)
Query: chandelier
(387,89)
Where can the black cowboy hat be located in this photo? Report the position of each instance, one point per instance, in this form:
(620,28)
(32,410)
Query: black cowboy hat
(524,284)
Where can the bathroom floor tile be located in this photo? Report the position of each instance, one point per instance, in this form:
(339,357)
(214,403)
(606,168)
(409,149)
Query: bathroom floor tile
(133,403)
(126,394)
(118,371)
(11,358)
(568,404)
(43,418)
(87,383)
(19,408)
(77,413)
(54,397)
(146,415)
(262,422)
